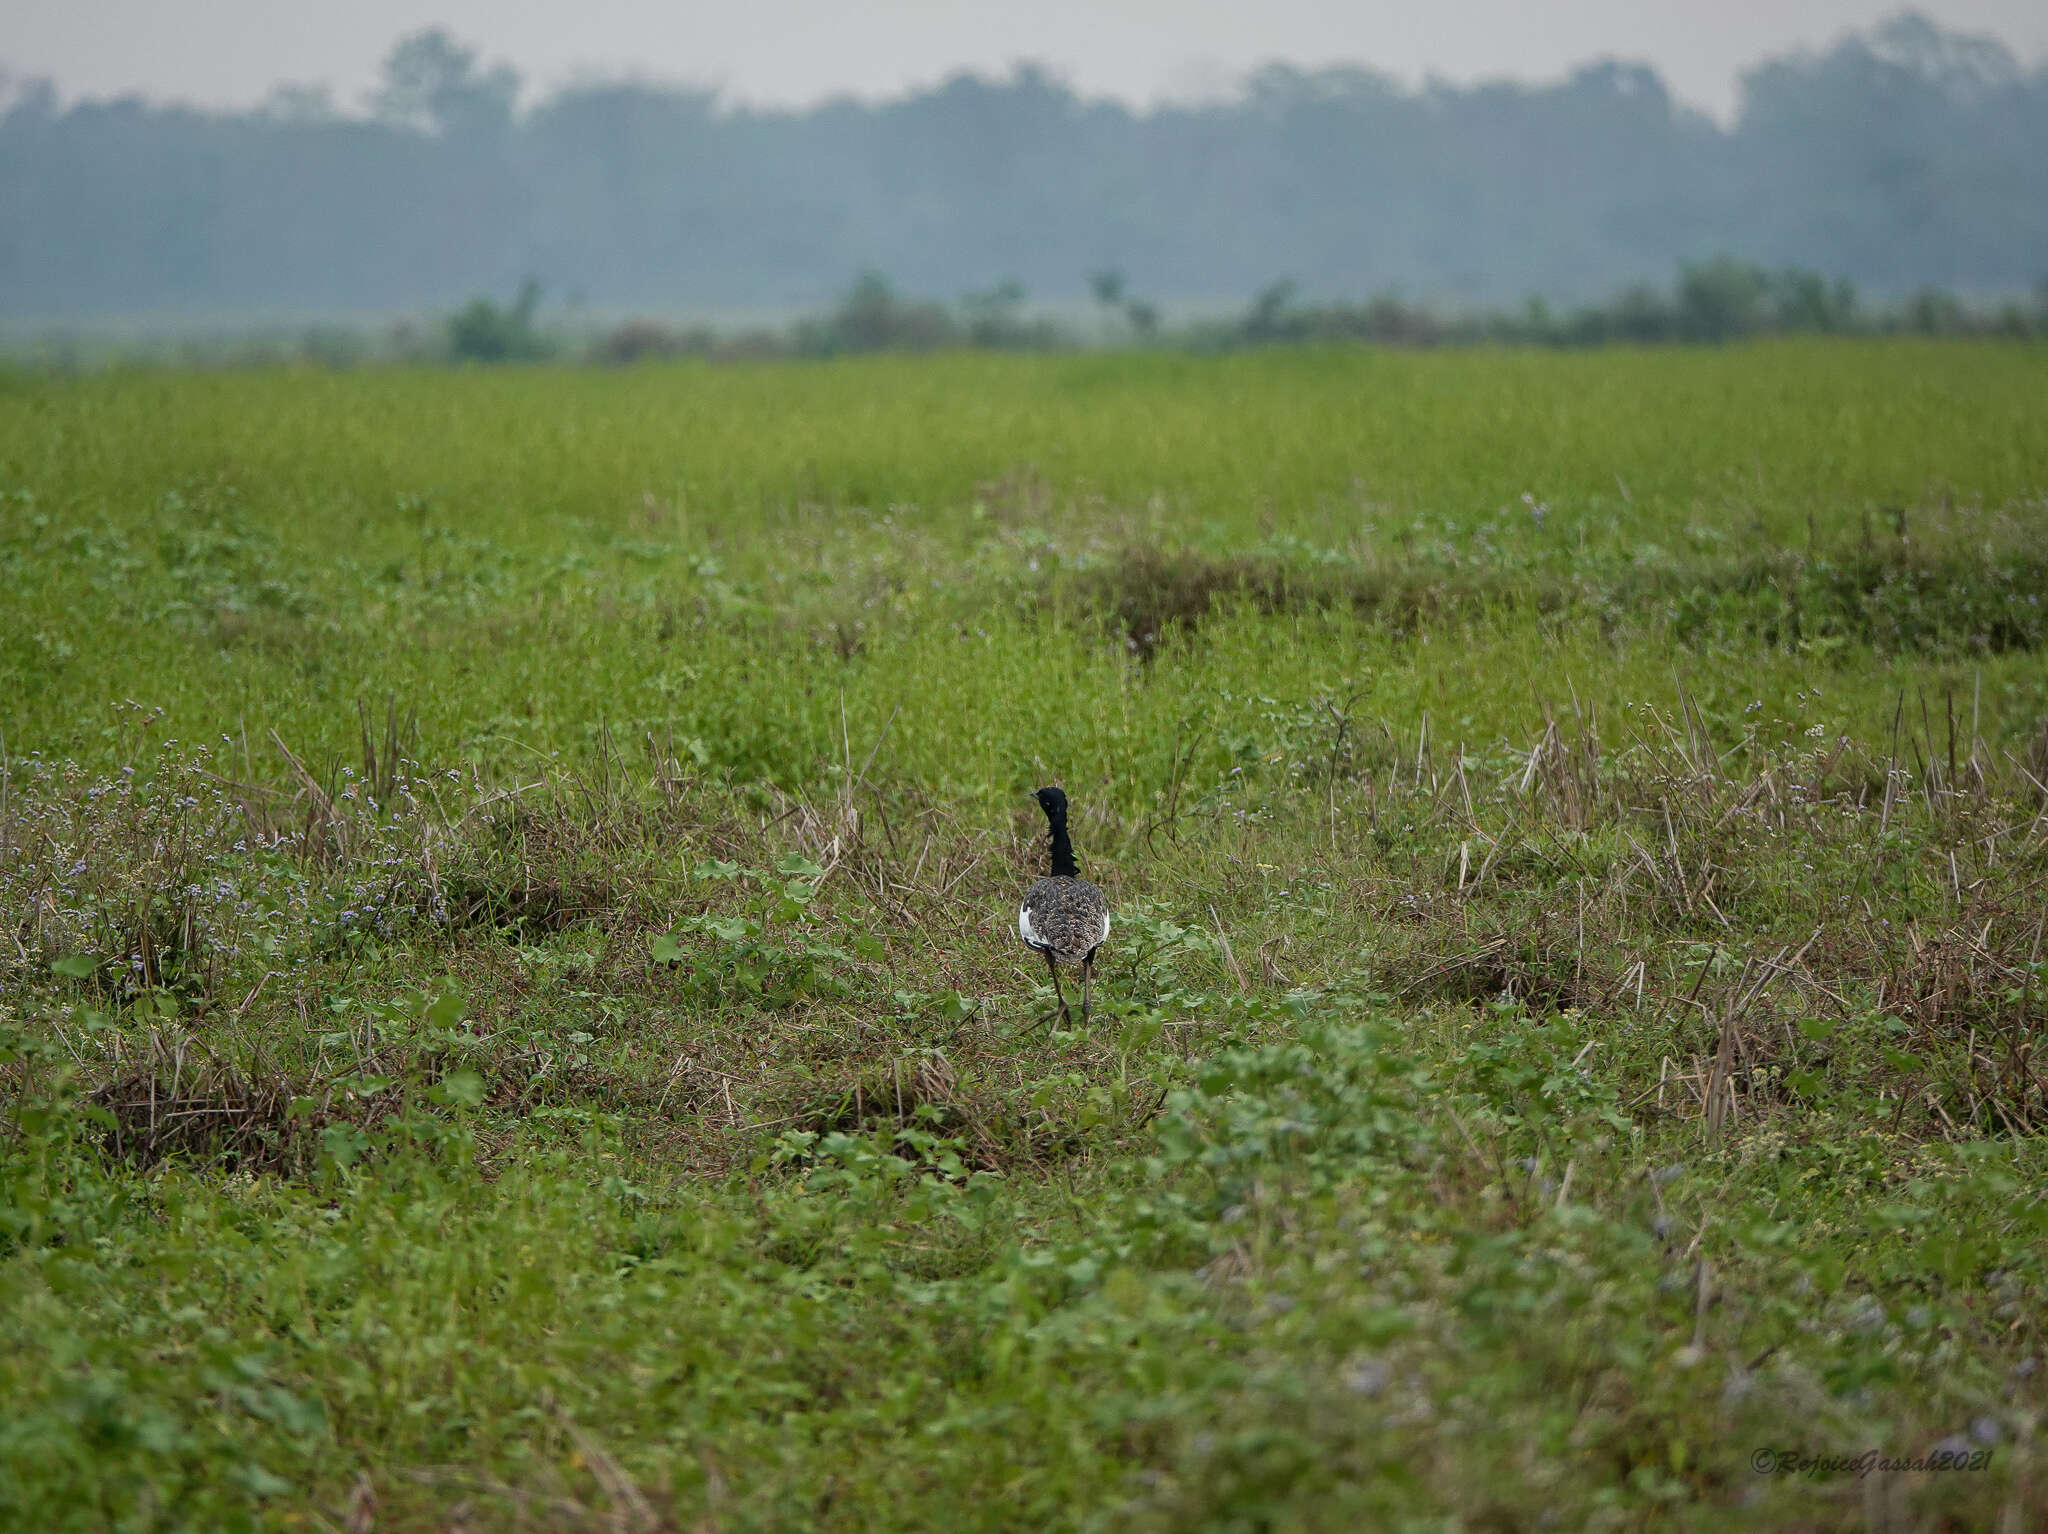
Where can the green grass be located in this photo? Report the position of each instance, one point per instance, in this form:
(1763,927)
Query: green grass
(511,1017)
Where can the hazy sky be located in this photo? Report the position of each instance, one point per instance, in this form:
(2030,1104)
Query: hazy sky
(231,52)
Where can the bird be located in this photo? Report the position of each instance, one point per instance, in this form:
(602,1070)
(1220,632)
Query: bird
(1063,916)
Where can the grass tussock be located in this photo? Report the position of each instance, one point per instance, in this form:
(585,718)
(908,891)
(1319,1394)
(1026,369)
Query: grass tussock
(1897,599)
(183,1105)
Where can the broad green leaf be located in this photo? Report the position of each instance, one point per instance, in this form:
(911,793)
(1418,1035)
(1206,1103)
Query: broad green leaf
(463,1086)
(445,1010)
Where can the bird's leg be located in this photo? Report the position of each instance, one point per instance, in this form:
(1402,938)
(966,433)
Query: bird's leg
(1087,983)
(1052,968)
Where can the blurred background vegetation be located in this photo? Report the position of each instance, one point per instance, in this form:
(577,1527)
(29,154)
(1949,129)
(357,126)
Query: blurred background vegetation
(1908,165)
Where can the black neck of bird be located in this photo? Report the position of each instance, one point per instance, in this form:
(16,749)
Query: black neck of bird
(1063,864)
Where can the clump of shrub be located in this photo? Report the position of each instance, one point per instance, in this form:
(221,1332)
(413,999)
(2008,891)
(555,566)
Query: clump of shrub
(641,340)
(873,317)
(1118,304)
(996,319)
(481,331)
(647,341)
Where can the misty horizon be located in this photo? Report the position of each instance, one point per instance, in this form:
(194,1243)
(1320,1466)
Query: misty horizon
(1906,156)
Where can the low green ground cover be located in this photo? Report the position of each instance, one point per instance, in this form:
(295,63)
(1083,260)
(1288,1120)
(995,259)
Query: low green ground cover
(511,1016)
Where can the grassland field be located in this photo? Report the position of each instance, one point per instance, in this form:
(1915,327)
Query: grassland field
(511,1017)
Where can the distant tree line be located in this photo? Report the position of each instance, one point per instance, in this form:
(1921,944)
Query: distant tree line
(1712,301)
(1905,158)
(1718,300)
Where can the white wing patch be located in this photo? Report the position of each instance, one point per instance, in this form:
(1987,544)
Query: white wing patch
(1024,927)
(1102,936)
